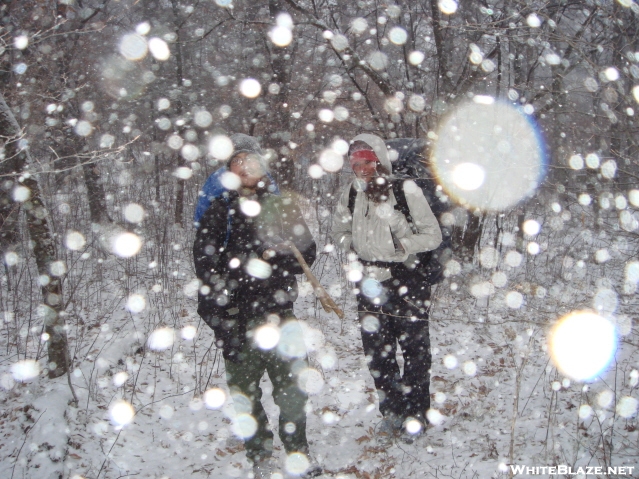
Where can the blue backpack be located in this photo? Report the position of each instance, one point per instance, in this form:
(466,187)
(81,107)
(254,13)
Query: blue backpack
(213,188)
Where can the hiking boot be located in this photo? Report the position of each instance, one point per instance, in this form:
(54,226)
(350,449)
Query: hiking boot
(262,468)
(412,429)
(314,469)
(388,430)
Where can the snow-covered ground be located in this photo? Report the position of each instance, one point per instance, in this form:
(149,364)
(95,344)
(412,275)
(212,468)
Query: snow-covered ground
(498,397)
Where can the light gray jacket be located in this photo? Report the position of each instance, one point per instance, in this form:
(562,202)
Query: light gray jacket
(370,229)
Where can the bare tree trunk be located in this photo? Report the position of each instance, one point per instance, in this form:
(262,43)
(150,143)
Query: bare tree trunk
(43,244)
(95,193)
(70,146)
(179,60)
(446,86)
(277,120)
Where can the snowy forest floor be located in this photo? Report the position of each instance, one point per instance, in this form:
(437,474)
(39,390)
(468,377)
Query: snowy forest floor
(492,381)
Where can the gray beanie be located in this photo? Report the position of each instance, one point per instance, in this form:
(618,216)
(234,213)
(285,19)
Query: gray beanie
(245,144)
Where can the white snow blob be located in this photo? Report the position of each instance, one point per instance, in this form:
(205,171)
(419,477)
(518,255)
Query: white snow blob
(450,361)
(514,299)
(221,147)
(83,128)
(291,344)
(74,240)
(281,36)
(183,172)
(203,118)
(120,378)
(505,152)
(166,411)
(127,245)
(21,194)
(266,337)
(326,115)
(310,380)
(468,176)
(435,417)
(189,332)
(371,288)
(250,207)
(230,180)
(161,339)
(627,407)
(413,426)
(133,47)
(447,6)
(531,227)
(470,368)
(136,303)
(258,268)
(315,171)
(244,426)
(121,413)
(250,88)
(21,42)
(398,35)
(582,344)
(296,463)
(25,370)
(159,49)
(330,160)
(416,57)
(370,324)
(133,213)
(214,398)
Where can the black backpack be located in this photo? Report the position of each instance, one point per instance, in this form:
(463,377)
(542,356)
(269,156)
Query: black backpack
(412,163)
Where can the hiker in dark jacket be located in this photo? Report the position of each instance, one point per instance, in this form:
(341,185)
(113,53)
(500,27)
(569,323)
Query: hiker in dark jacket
(392,308)
(248,288)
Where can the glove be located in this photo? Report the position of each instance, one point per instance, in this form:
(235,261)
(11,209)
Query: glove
(398,224)
(271,246)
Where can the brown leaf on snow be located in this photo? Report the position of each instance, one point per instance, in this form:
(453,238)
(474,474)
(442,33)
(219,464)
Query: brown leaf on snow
(362,439)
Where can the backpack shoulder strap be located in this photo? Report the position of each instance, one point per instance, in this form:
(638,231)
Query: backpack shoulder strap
(400,197)
(352,194)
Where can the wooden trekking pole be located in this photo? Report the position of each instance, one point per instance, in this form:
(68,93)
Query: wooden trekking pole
(327,302)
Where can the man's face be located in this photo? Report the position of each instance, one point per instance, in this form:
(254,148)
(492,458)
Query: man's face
(248,168)
(364,164)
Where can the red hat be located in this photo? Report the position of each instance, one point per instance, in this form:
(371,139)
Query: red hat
(363,156)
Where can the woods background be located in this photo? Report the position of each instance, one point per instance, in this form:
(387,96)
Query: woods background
(107,114)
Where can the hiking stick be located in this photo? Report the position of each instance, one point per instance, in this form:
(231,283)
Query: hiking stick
(327,302)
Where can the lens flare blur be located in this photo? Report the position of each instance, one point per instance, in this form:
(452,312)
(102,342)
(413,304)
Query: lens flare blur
(244,426)
(582,344)
(488,155)
(291,343)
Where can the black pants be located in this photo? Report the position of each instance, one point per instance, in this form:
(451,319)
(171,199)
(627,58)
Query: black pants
(243,379)
(404,320)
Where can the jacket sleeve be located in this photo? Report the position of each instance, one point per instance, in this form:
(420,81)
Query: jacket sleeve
(429,235)
(342,230)
(205,247)
(295,230)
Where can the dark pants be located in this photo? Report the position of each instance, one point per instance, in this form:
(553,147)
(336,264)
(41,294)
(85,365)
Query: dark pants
(243,379)
(403,320)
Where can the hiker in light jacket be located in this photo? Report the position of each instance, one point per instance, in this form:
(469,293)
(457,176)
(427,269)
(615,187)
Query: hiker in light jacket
(248,289)
(391,309)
